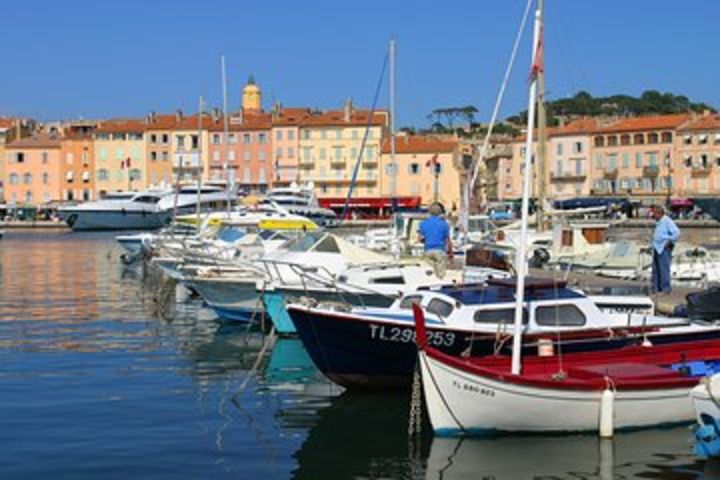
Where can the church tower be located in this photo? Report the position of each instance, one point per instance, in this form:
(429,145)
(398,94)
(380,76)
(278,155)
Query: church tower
(251,96)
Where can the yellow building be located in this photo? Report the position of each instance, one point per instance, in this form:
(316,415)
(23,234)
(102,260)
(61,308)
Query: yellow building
(427,167)
(330,146)
(176,145)
(251,97)
(120,156)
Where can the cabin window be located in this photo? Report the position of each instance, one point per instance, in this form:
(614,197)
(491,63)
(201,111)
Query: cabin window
(594,236)
(407,302)
(396,280)
(441,308)
(567,238)
(327,245)
(560,315)
(502,315)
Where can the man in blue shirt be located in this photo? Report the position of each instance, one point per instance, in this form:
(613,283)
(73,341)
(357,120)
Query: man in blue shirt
(435,234)
(664,239)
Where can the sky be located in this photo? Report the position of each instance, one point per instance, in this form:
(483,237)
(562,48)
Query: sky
(102,59)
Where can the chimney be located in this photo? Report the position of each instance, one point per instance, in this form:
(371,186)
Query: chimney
(178,115)
(276,110)
(348,110)
(215,114)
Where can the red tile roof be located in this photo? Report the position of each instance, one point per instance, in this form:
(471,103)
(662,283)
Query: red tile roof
(336,118)
(290,117)
(175,122)
(705,122)
(575,127)
(128,125)
(7,122)
(656,122)
(419,144)
(43,140)
(250,121)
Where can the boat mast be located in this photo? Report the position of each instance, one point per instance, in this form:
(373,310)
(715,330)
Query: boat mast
(225,133)
(393,163)
(521,260)
(542,135)
(199,159)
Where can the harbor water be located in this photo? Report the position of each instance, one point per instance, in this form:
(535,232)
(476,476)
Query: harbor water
(108,372)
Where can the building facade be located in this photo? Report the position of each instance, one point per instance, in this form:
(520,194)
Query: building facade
(285,136)
(33,170)
(77,171)
(119,152)
(696,163)
(331,145)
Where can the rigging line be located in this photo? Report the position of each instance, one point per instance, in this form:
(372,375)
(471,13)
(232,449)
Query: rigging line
(496,110)
(356,169)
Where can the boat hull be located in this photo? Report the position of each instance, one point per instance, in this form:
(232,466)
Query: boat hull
(86,220)
(460,403)
(235,301)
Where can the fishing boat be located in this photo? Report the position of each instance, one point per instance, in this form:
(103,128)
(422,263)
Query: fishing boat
(634,386)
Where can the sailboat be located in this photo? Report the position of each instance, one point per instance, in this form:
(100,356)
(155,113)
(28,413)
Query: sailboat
(640,385)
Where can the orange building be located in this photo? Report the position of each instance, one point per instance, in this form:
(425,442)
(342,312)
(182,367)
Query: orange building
(32,170)
(77,170)
(696,165)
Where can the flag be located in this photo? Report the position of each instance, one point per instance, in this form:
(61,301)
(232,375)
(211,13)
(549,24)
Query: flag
(122,164)
(127,162)
(538,65)
(433,161)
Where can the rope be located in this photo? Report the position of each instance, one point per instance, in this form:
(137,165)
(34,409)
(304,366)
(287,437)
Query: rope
(267,344)
(415,417)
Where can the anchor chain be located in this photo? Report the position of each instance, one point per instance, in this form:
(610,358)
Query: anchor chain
(415,424)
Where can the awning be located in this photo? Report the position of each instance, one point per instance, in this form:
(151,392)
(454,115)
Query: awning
(681,202)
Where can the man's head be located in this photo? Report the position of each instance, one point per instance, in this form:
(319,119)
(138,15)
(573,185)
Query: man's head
(436,209)
(658,211)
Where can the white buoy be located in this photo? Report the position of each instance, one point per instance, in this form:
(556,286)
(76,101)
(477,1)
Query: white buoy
(607,413)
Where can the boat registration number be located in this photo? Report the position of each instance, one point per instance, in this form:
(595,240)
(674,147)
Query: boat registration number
(407,335)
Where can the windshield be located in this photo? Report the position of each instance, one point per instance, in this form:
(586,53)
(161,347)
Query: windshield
(230,234)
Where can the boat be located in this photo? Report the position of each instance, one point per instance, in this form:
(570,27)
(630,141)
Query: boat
(638,385)
(706,403)
(119,211)
(373,348)
(711,206)
(301,200)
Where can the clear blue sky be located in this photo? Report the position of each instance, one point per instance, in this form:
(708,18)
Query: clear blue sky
(99,59)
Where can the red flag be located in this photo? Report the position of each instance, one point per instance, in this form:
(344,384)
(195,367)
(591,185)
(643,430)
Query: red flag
(127,162)
(122,164)
(433,161)
(538,65)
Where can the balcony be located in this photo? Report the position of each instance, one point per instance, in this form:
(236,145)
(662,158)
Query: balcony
(306,164)
(700,170)
(186,160)
(562,177)
(610,173)
(338,163)
(651,171)
(343,181)
(370,162)
(601,191)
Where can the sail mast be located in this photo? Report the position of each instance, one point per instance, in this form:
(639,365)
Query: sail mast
(225,133)
(393,176)
(542,135)
(521,259)
(201,106)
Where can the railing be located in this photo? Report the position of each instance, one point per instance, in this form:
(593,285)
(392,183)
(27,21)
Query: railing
(611,172)
(567,177)
(651,171)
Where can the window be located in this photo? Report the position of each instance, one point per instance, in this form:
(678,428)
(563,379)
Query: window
(246,155)
(652,138)
(232,139)
(86,195)
(667,137)
(441,308)
(559,315)
(45,178)
(164,156)
(323,134)
(323,152)
(638,160)
(194,142)
(261,155)
(290,135)
(262,138)
(702,139)
(353,153)
(612,162)
(338,134)
(119,154)
(180,142)
(306,134)
(14,179)
(44,157)
(102,174)
(28,197)
(153,138)
(246,138)
(414,168)
(639,139)
(354,134)
(612,141)
(85,159)
(599,141)
(153,156)
(165,138)
(598,160)
(278,135)
(27,178)
(216,156)
(231,155)
(408,301)
(396,280)
(118,136)
(625,160)
(577,147)
(278,152)
(369,153)
(338,152)
(688,160)
(261,175)
(216,139)
(559,149)
(502,315)
(652,159)
(102,153)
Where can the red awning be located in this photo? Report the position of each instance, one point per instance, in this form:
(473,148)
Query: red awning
(681,202)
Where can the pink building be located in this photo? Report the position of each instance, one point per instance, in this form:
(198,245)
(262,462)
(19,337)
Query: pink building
(247,152)
(32,170)
(286,143)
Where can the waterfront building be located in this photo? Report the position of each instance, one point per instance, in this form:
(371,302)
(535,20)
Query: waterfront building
(176,145)
(633,157)
(119,153)
(285,137)
(32,170)
(330,147)
(77,172)
(696,164)
(567,163)
(247,152)
(427,167)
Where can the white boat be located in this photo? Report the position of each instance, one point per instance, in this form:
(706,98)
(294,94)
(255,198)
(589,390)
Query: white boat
(119,211)
(301,200)
(706,403)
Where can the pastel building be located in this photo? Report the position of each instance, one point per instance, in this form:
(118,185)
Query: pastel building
(32,170)
(119,156)
(696,164)
(418,159)
(77,170)
(285,136)
(634,157)
(247,151)
(331,144)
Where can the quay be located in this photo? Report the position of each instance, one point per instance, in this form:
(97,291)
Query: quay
(19,224)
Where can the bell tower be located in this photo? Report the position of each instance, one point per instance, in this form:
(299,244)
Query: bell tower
(251,96)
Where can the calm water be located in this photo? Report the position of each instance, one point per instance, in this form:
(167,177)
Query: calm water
(97,381)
